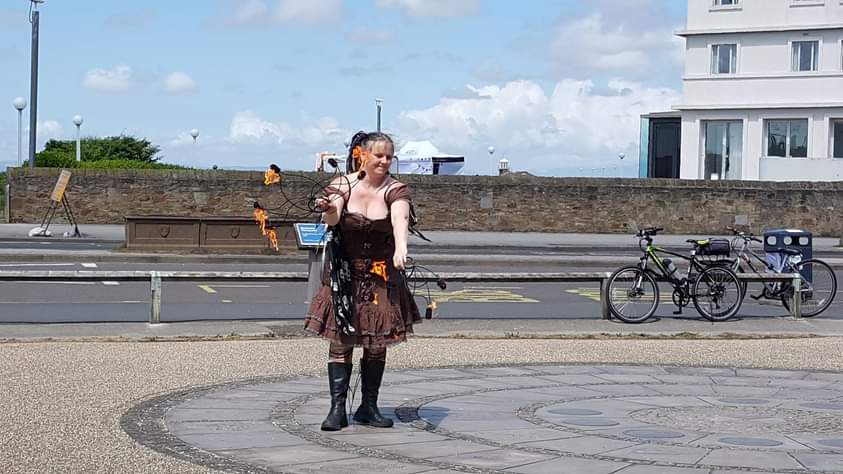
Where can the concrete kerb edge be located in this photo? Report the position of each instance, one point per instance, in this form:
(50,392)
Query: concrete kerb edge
(594,336)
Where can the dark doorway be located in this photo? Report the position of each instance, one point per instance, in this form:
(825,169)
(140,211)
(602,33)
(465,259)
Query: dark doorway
(665,145)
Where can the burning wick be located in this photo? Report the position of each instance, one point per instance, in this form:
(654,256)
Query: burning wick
(272,175)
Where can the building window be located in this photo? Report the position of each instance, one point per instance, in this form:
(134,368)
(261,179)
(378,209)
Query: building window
(805,56)
(724,58)
(718,3)
(787,138)
(837,137)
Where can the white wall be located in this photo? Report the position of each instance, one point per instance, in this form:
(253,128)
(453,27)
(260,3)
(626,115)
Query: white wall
(763,13)
(763,75)
(819,166)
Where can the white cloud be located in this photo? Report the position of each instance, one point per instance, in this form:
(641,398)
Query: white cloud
(49,129)
(119,79)
(248,127)
(179,83)
(286,12)
(594,44)
(572,124)
(433,8)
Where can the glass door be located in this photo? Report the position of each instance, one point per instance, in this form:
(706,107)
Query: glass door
(723,149)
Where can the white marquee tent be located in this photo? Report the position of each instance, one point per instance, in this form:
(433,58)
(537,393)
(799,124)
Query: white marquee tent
(424,158)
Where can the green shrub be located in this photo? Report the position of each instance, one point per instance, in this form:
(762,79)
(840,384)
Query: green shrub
(129,164)
(55,159)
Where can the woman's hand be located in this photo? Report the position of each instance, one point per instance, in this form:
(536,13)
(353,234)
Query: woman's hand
(325,205)
(399,258)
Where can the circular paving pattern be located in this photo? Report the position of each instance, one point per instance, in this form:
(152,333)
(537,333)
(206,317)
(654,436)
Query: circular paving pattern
(515,419)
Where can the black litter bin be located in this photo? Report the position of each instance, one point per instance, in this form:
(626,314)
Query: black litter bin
(795,239)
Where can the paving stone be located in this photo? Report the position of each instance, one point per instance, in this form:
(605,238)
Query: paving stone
(568,464)
(582,444)
(367,465)
(820,462)
(435,449)
(495,459)
(661,453)
(276,457)
(754,459)
(626,419)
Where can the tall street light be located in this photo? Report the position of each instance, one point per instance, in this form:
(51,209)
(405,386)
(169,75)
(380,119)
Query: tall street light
(379,104)
(33,80)
(621,155)
(77,120)
(194,132)
(491,151)
(20,104)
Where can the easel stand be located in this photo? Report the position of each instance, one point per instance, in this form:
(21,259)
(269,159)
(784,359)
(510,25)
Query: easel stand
(68,212)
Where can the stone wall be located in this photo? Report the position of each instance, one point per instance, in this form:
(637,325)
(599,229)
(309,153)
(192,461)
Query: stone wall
(483,203)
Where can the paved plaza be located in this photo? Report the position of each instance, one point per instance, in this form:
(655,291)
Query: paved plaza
(515,419)
(587,403)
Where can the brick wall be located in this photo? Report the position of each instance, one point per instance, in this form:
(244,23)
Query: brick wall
(485,203)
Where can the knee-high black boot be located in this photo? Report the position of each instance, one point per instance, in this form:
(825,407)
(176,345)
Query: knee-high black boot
(371,372)
(339,375)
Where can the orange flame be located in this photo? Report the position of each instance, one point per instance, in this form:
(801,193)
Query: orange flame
(262,218)
(270,176)
(379,269)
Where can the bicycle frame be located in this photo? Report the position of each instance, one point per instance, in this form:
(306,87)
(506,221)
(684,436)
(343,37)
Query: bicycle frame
(651,252)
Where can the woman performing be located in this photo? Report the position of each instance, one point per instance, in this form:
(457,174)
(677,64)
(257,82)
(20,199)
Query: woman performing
(364,299)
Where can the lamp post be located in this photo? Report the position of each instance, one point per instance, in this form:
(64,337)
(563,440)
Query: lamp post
(379,105)
(77,120)
(34,18)
(20,104)
(491,151)
(194,132)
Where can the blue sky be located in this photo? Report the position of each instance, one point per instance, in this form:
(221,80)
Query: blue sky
(555,85)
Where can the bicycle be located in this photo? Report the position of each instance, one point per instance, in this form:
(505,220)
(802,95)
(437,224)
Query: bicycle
(713,289)
(818,282)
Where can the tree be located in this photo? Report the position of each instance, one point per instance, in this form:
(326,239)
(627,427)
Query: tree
(96,149)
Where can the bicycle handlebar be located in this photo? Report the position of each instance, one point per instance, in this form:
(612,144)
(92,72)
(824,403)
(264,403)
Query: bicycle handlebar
(748,237)
(649,231)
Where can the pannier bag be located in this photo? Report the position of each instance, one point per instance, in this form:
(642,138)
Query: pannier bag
(714,247)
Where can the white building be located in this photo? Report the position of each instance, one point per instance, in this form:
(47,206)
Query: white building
(762,94)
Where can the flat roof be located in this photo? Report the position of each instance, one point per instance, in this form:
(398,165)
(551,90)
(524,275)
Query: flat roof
(759,29)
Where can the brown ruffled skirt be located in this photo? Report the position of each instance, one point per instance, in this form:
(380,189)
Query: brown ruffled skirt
(384,311)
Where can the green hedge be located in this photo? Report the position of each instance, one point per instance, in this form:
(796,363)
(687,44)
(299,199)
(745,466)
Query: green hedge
(58,159)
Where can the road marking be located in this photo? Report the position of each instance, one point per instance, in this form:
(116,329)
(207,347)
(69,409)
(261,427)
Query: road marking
(211,290)
(594,294)
(226,301)
(74,302)
(37,264)
(477,296)
(89,265)
(493,288)
(111,283)
(60,282)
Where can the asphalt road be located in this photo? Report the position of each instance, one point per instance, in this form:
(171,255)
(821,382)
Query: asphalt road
(183,301)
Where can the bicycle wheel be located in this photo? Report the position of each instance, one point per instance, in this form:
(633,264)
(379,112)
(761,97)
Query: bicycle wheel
(633,295)
(717,294)
(819,286)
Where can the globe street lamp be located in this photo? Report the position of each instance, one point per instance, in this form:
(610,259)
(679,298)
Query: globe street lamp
(491,151)
(20,104)
(77,120)
(194,132)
